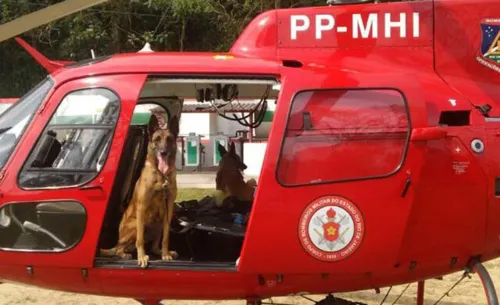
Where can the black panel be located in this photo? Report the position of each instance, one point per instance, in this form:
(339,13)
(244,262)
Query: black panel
(454,118)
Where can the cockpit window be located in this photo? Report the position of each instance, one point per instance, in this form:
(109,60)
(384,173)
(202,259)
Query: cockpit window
(15,120)
(4,107)
(74,145)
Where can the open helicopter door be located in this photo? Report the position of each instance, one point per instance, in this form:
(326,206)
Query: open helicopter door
(337,185)
(67,151)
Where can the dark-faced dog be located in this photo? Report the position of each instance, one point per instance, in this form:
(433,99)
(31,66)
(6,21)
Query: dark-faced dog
(229,180)
(152,204)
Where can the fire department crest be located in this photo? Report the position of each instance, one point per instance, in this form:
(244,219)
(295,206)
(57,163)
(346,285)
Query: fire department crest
(331,228)
(490,44)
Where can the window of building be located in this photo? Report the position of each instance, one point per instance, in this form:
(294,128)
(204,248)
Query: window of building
(343,134)
(74,145)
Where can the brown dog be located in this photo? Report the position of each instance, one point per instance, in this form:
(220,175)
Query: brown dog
(229,179)
(152,205)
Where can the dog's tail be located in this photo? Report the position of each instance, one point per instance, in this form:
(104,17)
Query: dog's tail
(107,252)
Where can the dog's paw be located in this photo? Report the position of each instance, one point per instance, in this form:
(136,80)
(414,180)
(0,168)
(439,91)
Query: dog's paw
(142,260)
(170,255)
(123,255)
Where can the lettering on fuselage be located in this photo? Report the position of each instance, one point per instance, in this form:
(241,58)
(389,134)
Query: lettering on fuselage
(387,25)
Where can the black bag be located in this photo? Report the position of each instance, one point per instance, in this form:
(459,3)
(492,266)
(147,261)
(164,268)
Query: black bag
(212,233)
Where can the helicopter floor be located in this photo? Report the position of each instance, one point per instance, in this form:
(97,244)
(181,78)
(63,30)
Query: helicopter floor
(118,263)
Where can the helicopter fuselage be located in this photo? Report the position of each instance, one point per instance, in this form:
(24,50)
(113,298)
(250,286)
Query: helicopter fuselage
(381,166)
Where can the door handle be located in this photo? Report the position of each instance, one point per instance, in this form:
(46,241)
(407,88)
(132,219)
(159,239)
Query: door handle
(428,133)
(93,191)
(90,187)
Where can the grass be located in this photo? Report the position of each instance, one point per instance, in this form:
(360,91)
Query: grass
(184,194)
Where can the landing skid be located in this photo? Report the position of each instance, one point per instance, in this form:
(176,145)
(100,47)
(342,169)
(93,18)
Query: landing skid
(331,300)
(150,302)
(489,287)
(328,300)
(484,276)
(476,267)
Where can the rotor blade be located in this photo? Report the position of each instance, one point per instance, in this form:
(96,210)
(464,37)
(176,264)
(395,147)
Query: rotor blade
(44,16)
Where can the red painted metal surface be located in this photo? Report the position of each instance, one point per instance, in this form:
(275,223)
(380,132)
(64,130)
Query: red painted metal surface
(424,213)
(8,100)
(49,65)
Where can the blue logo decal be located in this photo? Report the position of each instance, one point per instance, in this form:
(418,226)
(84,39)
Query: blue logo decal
(490,44)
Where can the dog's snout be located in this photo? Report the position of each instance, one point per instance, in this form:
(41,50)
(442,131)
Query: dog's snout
(167,145)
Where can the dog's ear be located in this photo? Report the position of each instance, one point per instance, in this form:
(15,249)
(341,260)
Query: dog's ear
(232,149)
(173,125)
(153,125)
(222,150)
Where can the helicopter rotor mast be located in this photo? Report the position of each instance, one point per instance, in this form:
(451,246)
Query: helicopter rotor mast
(44,16)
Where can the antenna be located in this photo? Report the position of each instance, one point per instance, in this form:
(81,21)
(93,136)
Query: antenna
(92,53)
(340,2)
(146,48)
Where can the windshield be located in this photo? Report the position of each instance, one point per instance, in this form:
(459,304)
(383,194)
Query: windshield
(4,107)
(14,120)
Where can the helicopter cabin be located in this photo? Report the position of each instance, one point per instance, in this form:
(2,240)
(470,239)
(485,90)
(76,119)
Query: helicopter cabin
(77,145)
(90,144)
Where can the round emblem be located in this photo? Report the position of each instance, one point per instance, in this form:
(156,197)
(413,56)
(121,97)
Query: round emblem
(477,146)
(331,228)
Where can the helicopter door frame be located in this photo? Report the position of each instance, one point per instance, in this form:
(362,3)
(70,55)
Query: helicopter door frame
(115,97)
(283,207)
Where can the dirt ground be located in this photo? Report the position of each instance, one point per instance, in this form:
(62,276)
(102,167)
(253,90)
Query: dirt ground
(468,292)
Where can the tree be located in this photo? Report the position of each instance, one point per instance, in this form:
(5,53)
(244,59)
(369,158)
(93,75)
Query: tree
(125,26)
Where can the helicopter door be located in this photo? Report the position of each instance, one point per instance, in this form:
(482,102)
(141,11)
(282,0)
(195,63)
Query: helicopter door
(338,178)
(60,180)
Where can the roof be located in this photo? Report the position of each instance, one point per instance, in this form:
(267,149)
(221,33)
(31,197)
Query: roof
(170,62)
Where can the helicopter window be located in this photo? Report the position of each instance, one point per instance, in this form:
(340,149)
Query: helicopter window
(15,120)
(47,226)
(74,145)
(355,134)
(3,107)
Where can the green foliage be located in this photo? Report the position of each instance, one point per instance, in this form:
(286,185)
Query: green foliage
(125,26)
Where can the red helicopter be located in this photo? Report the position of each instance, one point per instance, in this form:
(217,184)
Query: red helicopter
(381,166)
